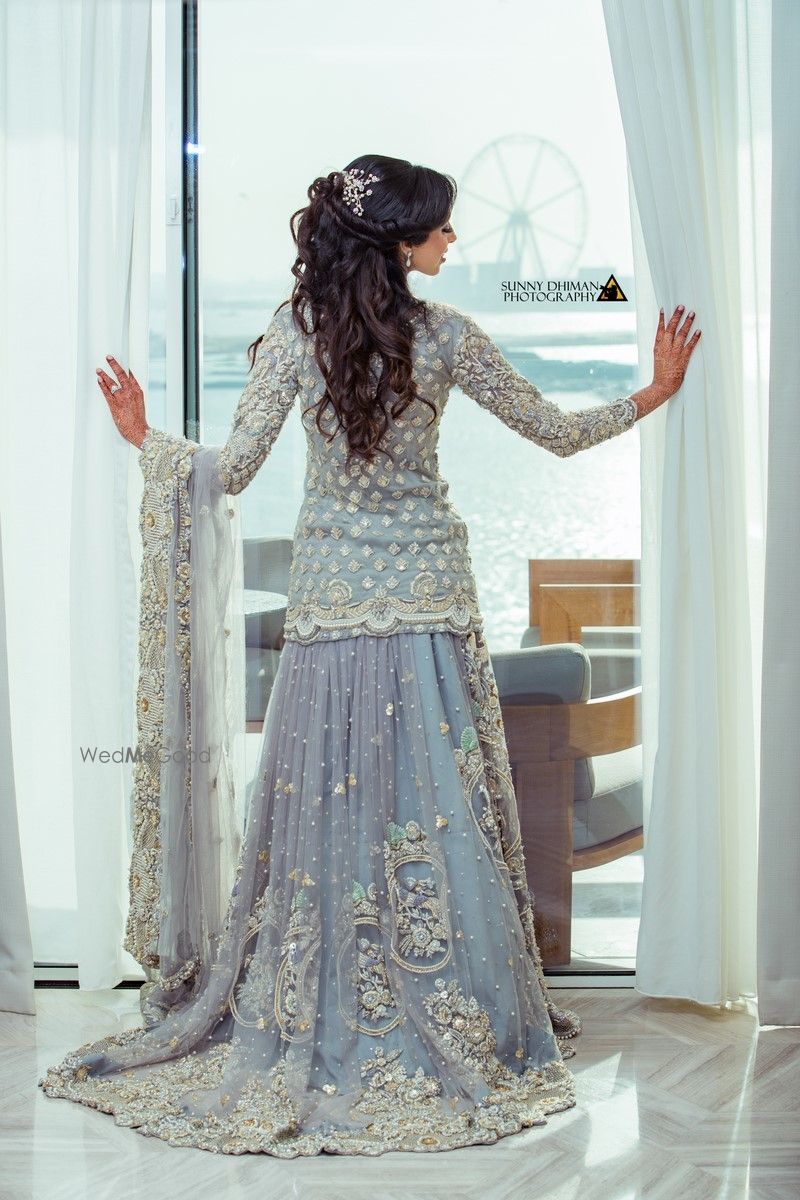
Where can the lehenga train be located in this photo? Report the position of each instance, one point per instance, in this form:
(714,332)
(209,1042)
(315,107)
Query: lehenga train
(357,971)
(378,985)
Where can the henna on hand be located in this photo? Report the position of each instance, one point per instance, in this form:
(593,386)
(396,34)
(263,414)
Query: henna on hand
(671,352)
(126,402)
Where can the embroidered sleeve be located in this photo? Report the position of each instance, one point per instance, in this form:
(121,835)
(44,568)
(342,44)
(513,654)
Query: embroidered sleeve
(263,408)
(481,371)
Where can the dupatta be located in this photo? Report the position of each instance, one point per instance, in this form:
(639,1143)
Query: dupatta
(189,764)
(188,799)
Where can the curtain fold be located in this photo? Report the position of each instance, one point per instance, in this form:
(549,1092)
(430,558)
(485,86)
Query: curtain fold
(779,827)
(16,956)
(691,109)
(113,258)
(76,266)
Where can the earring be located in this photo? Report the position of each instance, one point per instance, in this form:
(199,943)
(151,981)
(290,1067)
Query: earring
(408,260)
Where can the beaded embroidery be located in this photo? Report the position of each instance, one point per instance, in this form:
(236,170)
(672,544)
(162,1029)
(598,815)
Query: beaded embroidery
(469,761)
(392,529)
(263,407)
(379,551)
(420,925)
(360,921)
(407,1111)
(165,526)
(294,1005)
(485,701)
(483,373)
(382,549)
(405,1106)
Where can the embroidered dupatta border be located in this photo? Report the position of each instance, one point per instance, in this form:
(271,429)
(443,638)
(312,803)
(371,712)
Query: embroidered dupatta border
(165,527)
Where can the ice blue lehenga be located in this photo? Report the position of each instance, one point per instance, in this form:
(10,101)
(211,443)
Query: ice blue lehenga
(363,974)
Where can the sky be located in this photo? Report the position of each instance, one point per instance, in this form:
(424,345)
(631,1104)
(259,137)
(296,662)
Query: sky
(287,93)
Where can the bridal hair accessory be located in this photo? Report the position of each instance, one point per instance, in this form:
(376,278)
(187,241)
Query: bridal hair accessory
(356,187)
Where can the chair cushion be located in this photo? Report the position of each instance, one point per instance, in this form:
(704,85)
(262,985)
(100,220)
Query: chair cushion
(614,671)
(616,806)
(558,674)
(615,660)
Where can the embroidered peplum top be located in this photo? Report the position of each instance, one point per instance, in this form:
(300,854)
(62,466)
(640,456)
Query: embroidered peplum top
(383,549)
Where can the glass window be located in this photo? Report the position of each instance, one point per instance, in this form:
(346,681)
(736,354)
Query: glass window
(522,110)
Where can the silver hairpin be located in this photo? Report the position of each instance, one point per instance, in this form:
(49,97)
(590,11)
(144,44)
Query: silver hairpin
(355,188)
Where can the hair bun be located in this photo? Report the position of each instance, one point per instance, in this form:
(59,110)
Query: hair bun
(328,185)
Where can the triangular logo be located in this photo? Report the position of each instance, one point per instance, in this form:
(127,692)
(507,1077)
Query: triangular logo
(611,290)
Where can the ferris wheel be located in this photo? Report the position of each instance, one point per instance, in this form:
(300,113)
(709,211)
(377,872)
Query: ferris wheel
(522,202)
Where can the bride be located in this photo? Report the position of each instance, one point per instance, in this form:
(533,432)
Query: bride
(355,971)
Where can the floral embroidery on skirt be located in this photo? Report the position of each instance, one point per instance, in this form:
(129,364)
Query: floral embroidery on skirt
(377,985)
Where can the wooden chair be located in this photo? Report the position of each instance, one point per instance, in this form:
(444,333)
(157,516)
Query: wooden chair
(575,757)
(591,616)
(571,571)
(544,743)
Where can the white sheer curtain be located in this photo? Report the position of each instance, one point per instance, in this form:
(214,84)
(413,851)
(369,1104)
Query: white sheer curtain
(16,957)
(693,86)
(779,828)
(75,212)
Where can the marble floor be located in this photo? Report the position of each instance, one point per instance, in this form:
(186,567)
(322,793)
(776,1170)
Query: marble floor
(675,1101)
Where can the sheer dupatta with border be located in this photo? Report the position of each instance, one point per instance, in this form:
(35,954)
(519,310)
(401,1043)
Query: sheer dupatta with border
(188,801)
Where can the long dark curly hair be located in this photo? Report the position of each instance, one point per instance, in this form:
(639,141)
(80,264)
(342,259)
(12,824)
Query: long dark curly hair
(349,272)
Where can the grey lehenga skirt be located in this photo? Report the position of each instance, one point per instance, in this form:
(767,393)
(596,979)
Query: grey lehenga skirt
(378,985)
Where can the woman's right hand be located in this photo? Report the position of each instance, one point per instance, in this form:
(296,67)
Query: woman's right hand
(671,353)
(126,401)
